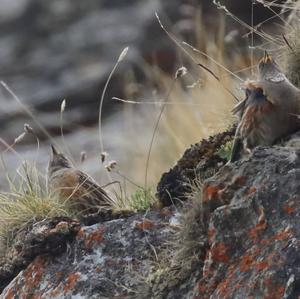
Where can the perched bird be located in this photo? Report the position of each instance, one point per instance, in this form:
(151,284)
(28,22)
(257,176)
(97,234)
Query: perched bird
(85,195)
(269,111)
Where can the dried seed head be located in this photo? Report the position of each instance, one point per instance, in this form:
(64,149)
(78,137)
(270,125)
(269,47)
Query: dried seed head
(63,106)
(20,137)
(123,54)
(28,129)
(82,156)
(103,156)
(181,72)
(112,164)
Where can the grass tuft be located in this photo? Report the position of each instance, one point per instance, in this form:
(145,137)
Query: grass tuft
(183,257)
(225,150)
(140,200)
(27,201)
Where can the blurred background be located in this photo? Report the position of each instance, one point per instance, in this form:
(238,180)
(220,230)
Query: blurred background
(65,49)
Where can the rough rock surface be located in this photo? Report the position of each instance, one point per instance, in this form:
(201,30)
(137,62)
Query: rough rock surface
(106,260)
(254,228)
(250,222)
(251,212)
(201,161)
(49,236)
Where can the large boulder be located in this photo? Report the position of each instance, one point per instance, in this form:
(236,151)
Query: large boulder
(106,260)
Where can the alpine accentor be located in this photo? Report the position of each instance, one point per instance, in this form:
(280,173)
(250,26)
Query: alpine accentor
(84,194)
(269,111)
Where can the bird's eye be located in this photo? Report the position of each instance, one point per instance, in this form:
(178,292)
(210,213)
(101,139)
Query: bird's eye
(259,92)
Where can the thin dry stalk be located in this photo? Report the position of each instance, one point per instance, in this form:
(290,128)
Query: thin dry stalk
(155,130)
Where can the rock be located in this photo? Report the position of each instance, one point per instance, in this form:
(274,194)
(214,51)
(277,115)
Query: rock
(254,228)
(250,211)
(106,260)
(237,239)
(49,236)
(199,161)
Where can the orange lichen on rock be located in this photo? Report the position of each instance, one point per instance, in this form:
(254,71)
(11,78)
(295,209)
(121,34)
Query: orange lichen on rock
(71,281)
(249,262)
(145,225)
(224,288)
(219,253)
(210,192)
(289,207)
(240,181)
(272,291)
(94,237)
(81,233)
(56,292)
(251,190)
(283,235)
(10,294)
(34,273)
(257,229)
(259,266)
(246,262)
(261,226)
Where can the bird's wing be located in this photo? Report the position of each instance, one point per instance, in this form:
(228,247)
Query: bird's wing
(92,188)
(239,108)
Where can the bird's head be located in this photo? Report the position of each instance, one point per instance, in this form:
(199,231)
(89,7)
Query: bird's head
(268,69)
(58,161)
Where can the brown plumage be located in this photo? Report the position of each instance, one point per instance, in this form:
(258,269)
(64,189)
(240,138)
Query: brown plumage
(84,194)
(269,111)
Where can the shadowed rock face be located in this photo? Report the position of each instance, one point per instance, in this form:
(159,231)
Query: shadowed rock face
(200,161)
(251,211)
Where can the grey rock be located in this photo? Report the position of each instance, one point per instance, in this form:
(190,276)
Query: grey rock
(105,260)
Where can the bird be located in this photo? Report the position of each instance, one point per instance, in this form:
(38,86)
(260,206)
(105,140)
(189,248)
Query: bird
(269,111)
(82,192)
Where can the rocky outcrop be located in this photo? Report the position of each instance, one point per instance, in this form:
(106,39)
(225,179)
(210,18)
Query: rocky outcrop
(200,161)
(250,219)
(254,229)
(243,223)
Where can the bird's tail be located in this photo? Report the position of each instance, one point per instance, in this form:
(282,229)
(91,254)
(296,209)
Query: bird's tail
(236,149)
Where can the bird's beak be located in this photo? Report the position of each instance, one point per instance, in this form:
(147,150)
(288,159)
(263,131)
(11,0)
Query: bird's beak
(267,58)
(54,151)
